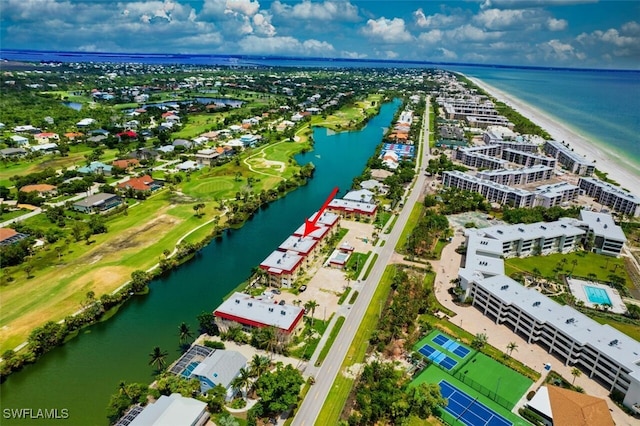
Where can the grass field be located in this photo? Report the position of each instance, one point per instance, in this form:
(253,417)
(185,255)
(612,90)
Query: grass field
(414,217)
(433,374)
(587,263)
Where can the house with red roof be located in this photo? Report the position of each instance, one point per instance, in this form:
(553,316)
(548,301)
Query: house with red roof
(45,137)
(127,134)
(127,163)
(141,184)
(249,312)
(10,236)
(44,190)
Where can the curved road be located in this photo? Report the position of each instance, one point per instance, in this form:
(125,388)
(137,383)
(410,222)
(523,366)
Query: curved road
(325,376)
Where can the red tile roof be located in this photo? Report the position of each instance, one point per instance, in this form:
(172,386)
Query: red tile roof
(138,184)
(6,233)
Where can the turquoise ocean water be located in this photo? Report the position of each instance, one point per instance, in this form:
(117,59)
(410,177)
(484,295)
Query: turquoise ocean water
(603,106)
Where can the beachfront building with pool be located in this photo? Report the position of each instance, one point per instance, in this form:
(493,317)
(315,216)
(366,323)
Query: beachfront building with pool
(602,352)
(614,197)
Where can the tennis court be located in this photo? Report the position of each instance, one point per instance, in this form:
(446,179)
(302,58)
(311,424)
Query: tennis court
(451,345)
(469,410)
(438,357)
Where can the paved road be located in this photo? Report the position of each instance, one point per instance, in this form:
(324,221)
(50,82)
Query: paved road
(312,404)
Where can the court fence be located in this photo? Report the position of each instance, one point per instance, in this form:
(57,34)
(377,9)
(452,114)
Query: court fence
(492,395)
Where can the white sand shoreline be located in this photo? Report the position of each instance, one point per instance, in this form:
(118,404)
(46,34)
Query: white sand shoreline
(606,161)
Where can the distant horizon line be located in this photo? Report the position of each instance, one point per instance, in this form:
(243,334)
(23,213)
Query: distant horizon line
(306,58)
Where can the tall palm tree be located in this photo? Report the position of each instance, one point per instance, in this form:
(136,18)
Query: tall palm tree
(242,381)
(311,305)
(158,358)
(185,332)
(575,372)
(512,346)
(574,262)
(259,365)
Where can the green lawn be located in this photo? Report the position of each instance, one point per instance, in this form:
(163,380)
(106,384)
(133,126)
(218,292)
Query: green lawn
(587,263)
(332,337)
(414,217)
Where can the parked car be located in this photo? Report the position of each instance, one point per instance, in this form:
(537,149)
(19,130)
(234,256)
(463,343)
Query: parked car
(276,291)
(302,288)
(282,302)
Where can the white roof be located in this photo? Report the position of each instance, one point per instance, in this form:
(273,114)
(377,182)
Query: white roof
(541,402)
(612,189)
(555,188)
(363,195)
(602,224)
(352,205)
(607,340)
(260,310)
(221,366)
(298,244)
(318,234)
(170,411)
(532,231)
(282,261)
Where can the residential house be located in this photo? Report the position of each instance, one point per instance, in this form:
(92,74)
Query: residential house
(96,167)
(127,164)
(183,143)
(13,152)
(128,134)
(250,140)
(375,186)
(141,184)
(167,410)
(188,165)
(46,137)
(19,140)
(221,367)
(144,154)
(564,407)
(10,236)
(363,195)
(207,157)
(45,148)
(44,190)
(249,312)
(72,136)
(97,203)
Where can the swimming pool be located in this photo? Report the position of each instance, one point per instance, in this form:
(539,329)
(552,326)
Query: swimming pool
(597,295)
(187,371)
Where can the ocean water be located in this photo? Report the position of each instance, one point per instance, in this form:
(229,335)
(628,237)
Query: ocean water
(601,105)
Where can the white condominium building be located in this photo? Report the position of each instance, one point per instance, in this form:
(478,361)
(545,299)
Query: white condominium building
(556,194)
(527,159)
(521,176)
(572,161)
(618,199)
(493,192)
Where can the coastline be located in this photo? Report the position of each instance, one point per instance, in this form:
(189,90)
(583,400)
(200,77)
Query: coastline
(606,161)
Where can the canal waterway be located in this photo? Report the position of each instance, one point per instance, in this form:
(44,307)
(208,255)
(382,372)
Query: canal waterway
(81,375)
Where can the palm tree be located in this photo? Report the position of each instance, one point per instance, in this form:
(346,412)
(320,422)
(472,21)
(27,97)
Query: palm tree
(242,380)
(123,388)
(311,305)
(185,332)
(512,346)
(259,365)
(158,358)
(574,262)
(575,372)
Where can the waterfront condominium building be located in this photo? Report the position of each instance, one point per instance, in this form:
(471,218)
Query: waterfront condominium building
(527,159)
(556,194)
(521,176)
(493,192)
(602,352)
(561,236)
(282,267)
(249,312)
(353,209)
(618,199)
(572,161)
(608,238)
(481,161)
(490,150)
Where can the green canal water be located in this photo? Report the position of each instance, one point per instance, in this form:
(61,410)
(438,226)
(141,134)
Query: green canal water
(81,375)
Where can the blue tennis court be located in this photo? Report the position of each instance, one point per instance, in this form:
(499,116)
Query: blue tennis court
(451,345)
(468,410)
(438,357)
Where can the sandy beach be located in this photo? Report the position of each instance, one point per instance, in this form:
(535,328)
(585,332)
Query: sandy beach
(617,168)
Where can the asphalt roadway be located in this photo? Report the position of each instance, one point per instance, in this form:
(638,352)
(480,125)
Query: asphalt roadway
(326,375)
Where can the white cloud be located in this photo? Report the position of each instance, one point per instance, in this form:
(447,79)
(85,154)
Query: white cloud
(387,30)
(325,11)
(631,28)
(390,54)
(470,33)
(447,54)
(519,4)
(246,7)
(262,24)
(438,20)
(557,24)
(431,37)
(284,45)
(498,19)
(555,49)
(353,55)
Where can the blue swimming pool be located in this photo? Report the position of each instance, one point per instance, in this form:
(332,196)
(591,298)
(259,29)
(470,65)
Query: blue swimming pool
(597,295)
(187,371)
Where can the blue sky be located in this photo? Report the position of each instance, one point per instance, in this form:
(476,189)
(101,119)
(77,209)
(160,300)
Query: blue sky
(573,33)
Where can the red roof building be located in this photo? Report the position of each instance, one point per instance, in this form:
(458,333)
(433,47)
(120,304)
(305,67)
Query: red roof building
(143,183)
